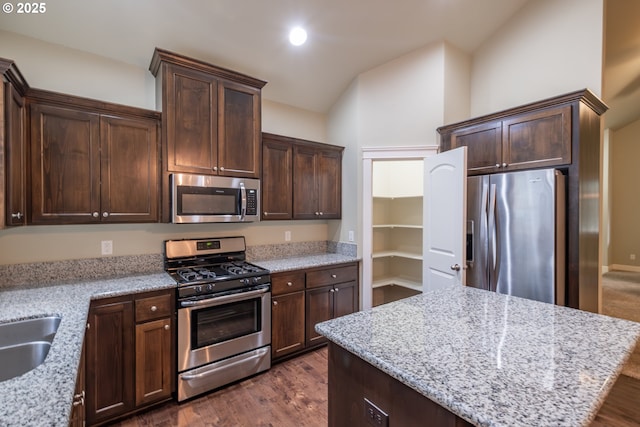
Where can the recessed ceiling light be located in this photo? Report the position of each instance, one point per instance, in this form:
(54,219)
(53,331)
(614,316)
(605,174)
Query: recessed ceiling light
(297,36)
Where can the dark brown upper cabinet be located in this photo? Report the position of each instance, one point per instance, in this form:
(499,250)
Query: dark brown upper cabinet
(300,179)
(529,140)
(277,177)
(13,171)
(317,182)
(211,117)
(92,162)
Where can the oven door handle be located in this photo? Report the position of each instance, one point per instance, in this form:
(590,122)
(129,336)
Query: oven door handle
(259,354)
(213,301)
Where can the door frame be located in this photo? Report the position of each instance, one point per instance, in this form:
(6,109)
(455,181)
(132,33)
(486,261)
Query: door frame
(369,154)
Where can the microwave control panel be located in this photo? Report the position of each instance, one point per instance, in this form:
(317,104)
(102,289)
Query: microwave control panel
(252,202)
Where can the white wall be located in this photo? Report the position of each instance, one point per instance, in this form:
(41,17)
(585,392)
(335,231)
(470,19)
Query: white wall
(548,48)
(401,101)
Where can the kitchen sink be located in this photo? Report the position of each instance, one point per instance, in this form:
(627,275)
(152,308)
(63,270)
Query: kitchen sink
(24,344)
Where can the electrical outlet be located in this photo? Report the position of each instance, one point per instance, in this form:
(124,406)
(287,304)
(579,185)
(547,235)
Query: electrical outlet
(107,247)
(351,236)
(632,257)
(375,416)
(287,236)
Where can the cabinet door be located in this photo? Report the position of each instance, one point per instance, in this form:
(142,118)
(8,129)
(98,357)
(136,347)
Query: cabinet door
(484,147)
(191,120)
(65,165)
(77,417)
(319,307)
(538,139)
(110,361)
(130,180)
(305,187)
(153,361)
(16,158)
(277,163)
(345,299)
(287,324)
(330,184)
(238,130)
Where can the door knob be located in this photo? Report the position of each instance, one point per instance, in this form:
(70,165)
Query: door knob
(455,267)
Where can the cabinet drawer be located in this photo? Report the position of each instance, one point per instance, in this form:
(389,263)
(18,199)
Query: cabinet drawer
(287,282)
(153,307)
(331,276)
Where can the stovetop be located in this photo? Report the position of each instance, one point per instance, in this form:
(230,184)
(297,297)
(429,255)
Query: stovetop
(210,266)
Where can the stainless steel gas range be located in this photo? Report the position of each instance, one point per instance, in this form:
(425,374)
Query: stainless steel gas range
(224,313)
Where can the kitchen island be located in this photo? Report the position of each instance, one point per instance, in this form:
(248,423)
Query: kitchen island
(479,357)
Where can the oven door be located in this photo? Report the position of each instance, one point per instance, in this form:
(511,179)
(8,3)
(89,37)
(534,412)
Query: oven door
(222,326)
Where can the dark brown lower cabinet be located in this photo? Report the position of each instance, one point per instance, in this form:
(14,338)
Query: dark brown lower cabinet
(287,324)
(129,354)
(77,418)
(303,298)
(327,303)
(352,380)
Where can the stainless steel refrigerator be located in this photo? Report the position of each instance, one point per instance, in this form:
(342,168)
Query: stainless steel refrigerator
(516,234)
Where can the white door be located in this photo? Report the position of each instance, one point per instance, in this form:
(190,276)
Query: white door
(445,219)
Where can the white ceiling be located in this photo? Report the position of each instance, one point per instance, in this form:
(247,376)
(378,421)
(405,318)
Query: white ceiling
(346,38)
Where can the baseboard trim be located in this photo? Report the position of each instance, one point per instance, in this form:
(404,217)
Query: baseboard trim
(621,267)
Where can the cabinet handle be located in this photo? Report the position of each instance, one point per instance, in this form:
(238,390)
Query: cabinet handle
(317,213)
(334,276)
(336,289)
(221,168)
(498,165)
(215,168)
(265,213)
(289,284)
(79,402)
(95,214)
(154,308)
(332,290)
(321,213)
(105,214)
(79,395)
(504,165)
(17,215)
(166,327)
(275,303)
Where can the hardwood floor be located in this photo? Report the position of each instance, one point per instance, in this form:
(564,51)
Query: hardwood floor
(294,394)
(622,407)
(291,394)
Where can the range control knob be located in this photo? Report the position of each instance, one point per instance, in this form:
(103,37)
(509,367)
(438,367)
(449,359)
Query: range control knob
(198,289)
(256,279)
(210,287)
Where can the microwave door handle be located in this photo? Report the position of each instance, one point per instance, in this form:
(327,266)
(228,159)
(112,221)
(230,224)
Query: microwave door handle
(243,201)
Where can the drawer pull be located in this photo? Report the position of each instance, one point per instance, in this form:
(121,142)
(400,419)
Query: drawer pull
(289,284)
(334,276)
(154,308)
(275,303)
(336,289)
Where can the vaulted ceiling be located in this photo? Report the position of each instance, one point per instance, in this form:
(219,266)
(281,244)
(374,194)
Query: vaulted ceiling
(345,39)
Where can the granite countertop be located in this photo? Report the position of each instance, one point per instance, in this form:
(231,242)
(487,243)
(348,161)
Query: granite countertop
(302,262)
(44,396)
(492,359)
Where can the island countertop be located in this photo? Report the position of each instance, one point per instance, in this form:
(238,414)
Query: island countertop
(492,359)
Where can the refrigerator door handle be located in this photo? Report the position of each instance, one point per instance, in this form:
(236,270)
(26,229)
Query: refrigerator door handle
(492,239)
(484,236)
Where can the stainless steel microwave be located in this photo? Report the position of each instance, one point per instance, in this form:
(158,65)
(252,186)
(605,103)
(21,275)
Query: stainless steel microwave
(208,198)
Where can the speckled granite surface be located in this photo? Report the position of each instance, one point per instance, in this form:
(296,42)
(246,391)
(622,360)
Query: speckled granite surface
(43,396)
(491,359)
(301,262)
